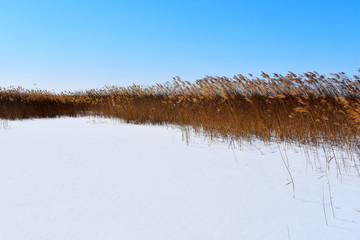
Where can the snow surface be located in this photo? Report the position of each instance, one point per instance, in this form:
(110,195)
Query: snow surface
(89,178)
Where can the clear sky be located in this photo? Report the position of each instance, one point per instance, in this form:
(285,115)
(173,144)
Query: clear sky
(71,44)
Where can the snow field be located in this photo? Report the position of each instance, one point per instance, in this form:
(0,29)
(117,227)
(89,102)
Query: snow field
(88,178)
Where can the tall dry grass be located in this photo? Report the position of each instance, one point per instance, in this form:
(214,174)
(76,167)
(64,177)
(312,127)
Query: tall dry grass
(308,108)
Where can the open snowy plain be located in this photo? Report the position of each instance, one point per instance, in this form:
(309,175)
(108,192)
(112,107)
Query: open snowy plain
(89,178)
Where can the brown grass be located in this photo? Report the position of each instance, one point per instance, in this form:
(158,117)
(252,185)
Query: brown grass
(309,108)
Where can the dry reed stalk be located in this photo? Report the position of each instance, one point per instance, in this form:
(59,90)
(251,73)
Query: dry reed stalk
(307,108)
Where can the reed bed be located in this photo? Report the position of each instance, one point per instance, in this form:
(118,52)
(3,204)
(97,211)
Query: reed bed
(308,108)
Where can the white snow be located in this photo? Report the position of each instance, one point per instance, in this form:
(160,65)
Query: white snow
(87,178)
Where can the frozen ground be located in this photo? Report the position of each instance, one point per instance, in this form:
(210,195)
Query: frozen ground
(95,179)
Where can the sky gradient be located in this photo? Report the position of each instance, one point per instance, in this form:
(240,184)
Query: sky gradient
(89,44)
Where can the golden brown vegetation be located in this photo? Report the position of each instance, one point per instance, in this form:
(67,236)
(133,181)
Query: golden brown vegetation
(309,108)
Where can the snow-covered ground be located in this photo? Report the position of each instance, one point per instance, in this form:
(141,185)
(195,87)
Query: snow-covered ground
(88,178)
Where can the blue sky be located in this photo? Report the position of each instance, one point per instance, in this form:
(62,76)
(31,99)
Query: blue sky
(87,44)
